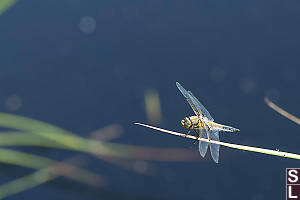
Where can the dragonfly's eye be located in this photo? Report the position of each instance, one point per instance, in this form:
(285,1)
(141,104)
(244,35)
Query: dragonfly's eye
(186,123)
(183,123)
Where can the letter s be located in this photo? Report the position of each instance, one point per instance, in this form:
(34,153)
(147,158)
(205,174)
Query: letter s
(293,178)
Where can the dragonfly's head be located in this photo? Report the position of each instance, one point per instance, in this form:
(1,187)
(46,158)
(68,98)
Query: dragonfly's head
(186,122)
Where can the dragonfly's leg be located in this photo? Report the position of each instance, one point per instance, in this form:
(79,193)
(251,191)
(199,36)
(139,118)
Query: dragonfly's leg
(197,134)
(188,132)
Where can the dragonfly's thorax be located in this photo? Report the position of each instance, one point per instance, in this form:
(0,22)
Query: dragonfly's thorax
(192,122)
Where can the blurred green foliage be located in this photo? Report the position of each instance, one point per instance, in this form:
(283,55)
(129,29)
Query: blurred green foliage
(5,4)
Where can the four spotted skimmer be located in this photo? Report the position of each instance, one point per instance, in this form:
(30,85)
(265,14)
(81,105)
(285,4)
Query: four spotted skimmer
(203,125)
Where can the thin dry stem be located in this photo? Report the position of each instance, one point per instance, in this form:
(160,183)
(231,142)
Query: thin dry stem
(235,146)
(281,111)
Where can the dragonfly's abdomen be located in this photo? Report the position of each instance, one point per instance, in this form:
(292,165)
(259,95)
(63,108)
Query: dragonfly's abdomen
(230,129)
(221,127)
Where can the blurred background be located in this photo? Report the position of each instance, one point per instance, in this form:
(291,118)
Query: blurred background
(85,65)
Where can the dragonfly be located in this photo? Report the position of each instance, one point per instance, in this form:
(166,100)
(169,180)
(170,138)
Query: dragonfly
(203,125)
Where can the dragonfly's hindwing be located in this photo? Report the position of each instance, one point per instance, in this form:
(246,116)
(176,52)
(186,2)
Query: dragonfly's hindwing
(214,148)
(203,145)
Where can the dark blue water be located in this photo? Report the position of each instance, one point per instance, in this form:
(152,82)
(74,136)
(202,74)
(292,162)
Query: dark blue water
(82,65)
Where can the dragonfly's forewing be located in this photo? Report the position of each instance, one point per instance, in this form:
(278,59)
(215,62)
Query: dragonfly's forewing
(203,145)
(189,99)
(200,107)
(214,148)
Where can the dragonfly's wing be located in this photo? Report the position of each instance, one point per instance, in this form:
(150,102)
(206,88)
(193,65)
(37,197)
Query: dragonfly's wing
(189,99)
(203,145)
(200,107)
(214,148)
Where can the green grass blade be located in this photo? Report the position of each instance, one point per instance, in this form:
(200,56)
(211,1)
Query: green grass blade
(22,159)
(6,4)
(26,139)
(27,124)
(25,183)
(40,177)
(61,136)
